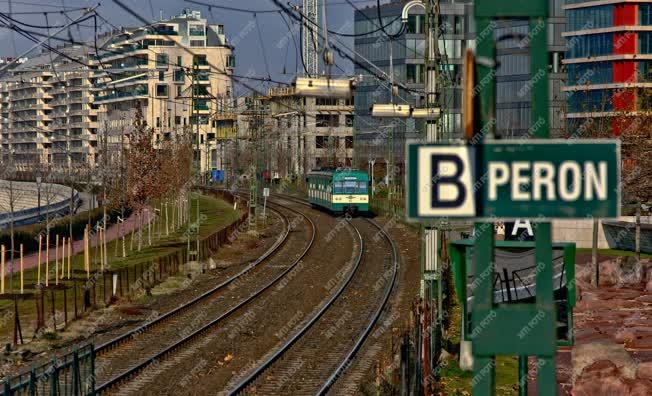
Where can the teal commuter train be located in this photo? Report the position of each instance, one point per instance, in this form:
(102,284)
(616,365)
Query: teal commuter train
(339,190)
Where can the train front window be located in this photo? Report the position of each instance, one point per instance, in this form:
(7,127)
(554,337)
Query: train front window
(350,187)
(362,188)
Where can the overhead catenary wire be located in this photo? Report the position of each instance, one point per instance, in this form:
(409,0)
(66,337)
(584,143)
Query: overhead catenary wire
(4,67)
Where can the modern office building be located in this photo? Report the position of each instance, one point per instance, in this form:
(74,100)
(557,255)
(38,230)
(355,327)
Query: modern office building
(513,80)
(608,62)
(512,75)
(372,135)
(47,110)
(178,72)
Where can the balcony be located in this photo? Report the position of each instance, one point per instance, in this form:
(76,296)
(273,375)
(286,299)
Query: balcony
(201,108)
(200,91)
(82,112)
(126,95)
(117,53)
(200,63)
(156,32)
(134,63)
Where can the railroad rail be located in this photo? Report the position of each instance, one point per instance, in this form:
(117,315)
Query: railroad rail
(299,348)
(177,319)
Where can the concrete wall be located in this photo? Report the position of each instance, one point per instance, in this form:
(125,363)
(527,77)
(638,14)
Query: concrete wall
(581,231)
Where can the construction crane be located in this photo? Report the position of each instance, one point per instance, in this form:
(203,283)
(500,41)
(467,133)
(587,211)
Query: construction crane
(310,42)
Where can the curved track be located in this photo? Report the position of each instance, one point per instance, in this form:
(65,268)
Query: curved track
(314,358)
(123,358)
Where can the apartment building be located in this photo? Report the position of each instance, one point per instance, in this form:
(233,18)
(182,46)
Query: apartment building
(609,63)
(47,111)
(308,133)
(178,72)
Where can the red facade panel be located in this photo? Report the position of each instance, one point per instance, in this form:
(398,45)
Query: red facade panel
(624,71)
(625,14)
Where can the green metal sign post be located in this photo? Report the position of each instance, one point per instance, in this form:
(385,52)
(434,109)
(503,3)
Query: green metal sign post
(489,179)
(497,336)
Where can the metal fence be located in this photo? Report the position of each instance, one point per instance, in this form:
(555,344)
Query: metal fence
(70,374)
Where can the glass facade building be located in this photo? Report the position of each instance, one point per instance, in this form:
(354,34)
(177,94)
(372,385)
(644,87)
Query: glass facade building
(372,135)
(608,60)
(513,82)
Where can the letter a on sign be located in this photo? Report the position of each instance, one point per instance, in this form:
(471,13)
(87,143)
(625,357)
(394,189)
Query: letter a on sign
(445,181)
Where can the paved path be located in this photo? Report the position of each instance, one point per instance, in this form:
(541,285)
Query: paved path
(612,352)
(130,224)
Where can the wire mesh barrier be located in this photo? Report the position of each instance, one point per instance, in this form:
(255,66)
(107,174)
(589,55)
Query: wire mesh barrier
(70,374)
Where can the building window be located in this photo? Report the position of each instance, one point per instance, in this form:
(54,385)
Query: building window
(590,73)
(179,76)
(414,74)
(158,122)
(230,61)
(197,43)
(197,30)
(179,61)
(327,120)
(590,101)
(161,75)
(199,60)
(348,142)
(591,45)
(177,120)
(326,102)
(645,42)
(321,142)
(349,119)
(162,90)
(162,60)
(179,91)
(591,17)
(416,24)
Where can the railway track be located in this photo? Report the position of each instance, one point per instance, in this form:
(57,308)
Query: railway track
(124,357)
(313,360)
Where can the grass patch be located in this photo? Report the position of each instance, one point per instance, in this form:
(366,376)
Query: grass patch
(215,214)
(455,381)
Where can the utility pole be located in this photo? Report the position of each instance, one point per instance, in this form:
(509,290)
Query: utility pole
(431,240)
(197,163)
(253,179)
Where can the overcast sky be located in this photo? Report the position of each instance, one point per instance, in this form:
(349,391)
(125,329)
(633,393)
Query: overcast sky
(278,44)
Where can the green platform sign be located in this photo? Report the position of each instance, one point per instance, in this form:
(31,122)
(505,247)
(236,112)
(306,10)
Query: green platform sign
(512,179)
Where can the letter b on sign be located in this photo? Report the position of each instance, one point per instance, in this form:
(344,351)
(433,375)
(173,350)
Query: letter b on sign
(446,181)
(447,189)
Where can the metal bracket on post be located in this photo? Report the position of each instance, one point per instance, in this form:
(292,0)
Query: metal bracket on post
(516,329)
